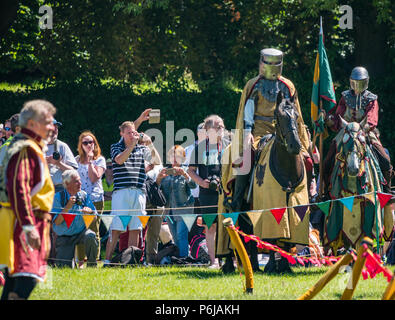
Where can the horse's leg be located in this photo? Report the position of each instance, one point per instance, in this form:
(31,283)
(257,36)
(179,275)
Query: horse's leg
(254,257)
(246,226)
(271,266)
(228,266)
(283,264)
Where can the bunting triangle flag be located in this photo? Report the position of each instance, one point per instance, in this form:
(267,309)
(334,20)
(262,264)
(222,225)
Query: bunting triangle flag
(144,220)
(254,216)
(170,219)
(383,198)
(125,220)
(88,219)
(68,218)
(107,220)
(189,220)
(278,214)
(209,219)
(233,215)
(370,197)
(324,206)
(301,211)
(348,202)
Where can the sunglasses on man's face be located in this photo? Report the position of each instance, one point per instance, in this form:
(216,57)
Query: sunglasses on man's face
(7,128)
(85,143)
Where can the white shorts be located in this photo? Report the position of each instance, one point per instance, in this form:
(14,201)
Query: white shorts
(128,202)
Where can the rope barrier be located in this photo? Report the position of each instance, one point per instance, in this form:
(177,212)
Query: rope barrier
(290,257)
(212,206)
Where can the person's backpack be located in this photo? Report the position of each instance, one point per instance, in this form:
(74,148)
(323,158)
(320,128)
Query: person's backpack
(198,248)
(166,252)
(128,256)
(154,193)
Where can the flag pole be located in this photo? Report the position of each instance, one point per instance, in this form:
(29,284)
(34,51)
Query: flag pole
(321,145)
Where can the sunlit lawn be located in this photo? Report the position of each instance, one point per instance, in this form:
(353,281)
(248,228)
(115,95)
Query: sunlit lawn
(193,283)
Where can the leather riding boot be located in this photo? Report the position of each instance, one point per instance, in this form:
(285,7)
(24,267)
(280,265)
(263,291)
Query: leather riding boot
(241,185)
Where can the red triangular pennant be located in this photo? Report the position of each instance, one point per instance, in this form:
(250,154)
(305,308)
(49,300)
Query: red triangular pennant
(383,198)
(68,218)
(278,214)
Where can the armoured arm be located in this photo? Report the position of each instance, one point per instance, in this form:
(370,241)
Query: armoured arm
(249,110)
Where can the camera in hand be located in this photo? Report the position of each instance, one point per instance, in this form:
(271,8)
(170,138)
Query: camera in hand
(56,155)
(78,200)
(213,182)
(171,171)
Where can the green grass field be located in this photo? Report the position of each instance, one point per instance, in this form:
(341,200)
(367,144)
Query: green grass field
(193,283)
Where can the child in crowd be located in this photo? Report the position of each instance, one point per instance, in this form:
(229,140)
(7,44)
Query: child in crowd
(176,185)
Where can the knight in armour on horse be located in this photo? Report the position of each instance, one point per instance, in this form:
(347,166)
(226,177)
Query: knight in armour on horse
(356,165)
(265,166)
(358,104)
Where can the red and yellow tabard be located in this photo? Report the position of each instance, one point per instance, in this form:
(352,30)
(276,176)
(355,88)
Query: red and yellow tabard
(30,193)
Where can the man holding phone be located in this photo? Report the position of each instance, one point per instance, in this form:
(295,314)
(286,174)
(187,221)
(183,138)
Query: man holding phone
(128,156)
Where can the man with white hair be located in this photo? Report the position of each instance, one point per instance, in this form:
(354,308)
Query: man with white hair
(70,206)
(26,195)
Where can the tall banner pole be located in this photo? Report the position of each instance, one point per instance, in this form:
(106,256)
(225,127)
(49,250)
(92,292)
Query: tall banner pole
(321,147)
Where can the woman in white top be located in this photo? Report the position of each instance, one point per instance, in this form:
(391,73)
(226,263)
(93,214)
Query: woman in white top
(91,166)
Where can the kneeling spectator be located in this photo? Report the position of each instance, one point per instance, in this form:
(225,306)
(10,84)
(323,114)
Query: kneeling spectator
(73,200)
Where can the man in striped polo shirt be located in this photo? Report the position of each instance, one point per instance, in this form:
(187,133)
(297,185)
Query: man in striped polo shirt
(128,198)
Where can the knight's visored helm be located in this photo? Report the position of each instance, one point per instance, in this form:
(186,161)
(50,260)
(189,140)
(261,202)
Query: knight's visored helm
(359,79)
(271,63)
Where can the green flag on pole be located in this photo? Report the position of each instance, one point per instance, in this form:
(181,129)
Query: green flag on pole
(323,89)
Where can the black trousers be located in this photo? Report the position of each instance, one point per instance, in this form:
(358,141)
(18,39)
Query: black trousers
(22,286)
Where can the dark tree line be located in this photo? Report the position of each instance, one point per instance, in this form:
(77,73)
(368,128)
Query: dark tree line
(214,43)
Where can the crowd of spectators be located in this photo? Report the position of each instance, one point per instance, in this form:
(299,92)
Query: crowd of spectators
(88,187)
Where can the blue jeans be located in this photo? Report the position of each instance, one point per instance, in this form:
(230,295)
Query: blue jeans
(179,232)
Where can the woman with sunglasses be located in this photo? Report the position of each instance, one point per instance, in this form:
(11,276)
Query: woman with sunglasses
(91,166)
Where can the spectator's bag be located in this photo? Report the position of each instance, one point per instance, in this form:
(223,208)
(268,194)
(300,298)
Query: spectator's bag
(198,248)
(154,194)
(129,256)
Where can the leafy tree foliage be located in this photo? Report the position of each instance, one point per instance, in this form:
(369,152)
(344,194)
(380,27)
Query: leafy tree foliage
(213,42)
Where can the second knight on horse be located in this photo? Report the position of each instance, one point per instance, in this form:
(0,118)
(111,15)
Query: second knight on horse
(358,105)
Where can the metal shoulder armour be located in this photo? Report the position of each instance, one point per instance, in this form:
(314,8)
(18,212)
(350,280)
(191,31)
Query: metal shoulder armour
(369,96)
(284,89)
(353,101)
(270,88)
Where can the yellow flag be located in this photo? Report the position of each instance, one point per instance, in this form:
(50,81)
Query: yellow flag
(88,219)
(144,220)
(254,216)
(369,197)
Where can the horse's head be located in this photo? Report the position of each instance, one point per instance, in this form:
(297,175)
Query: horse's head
(352,146)
(285,117)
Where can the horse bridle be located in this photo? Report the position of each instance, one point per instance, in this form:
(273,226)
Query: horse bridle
(282,137)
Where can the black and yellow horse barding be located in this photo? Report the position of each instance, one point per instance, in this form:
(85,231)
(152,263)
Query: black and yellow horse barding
(279,181)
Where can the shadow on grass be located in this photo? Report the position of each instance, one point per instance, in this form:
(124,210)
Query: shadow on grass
(205,273)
